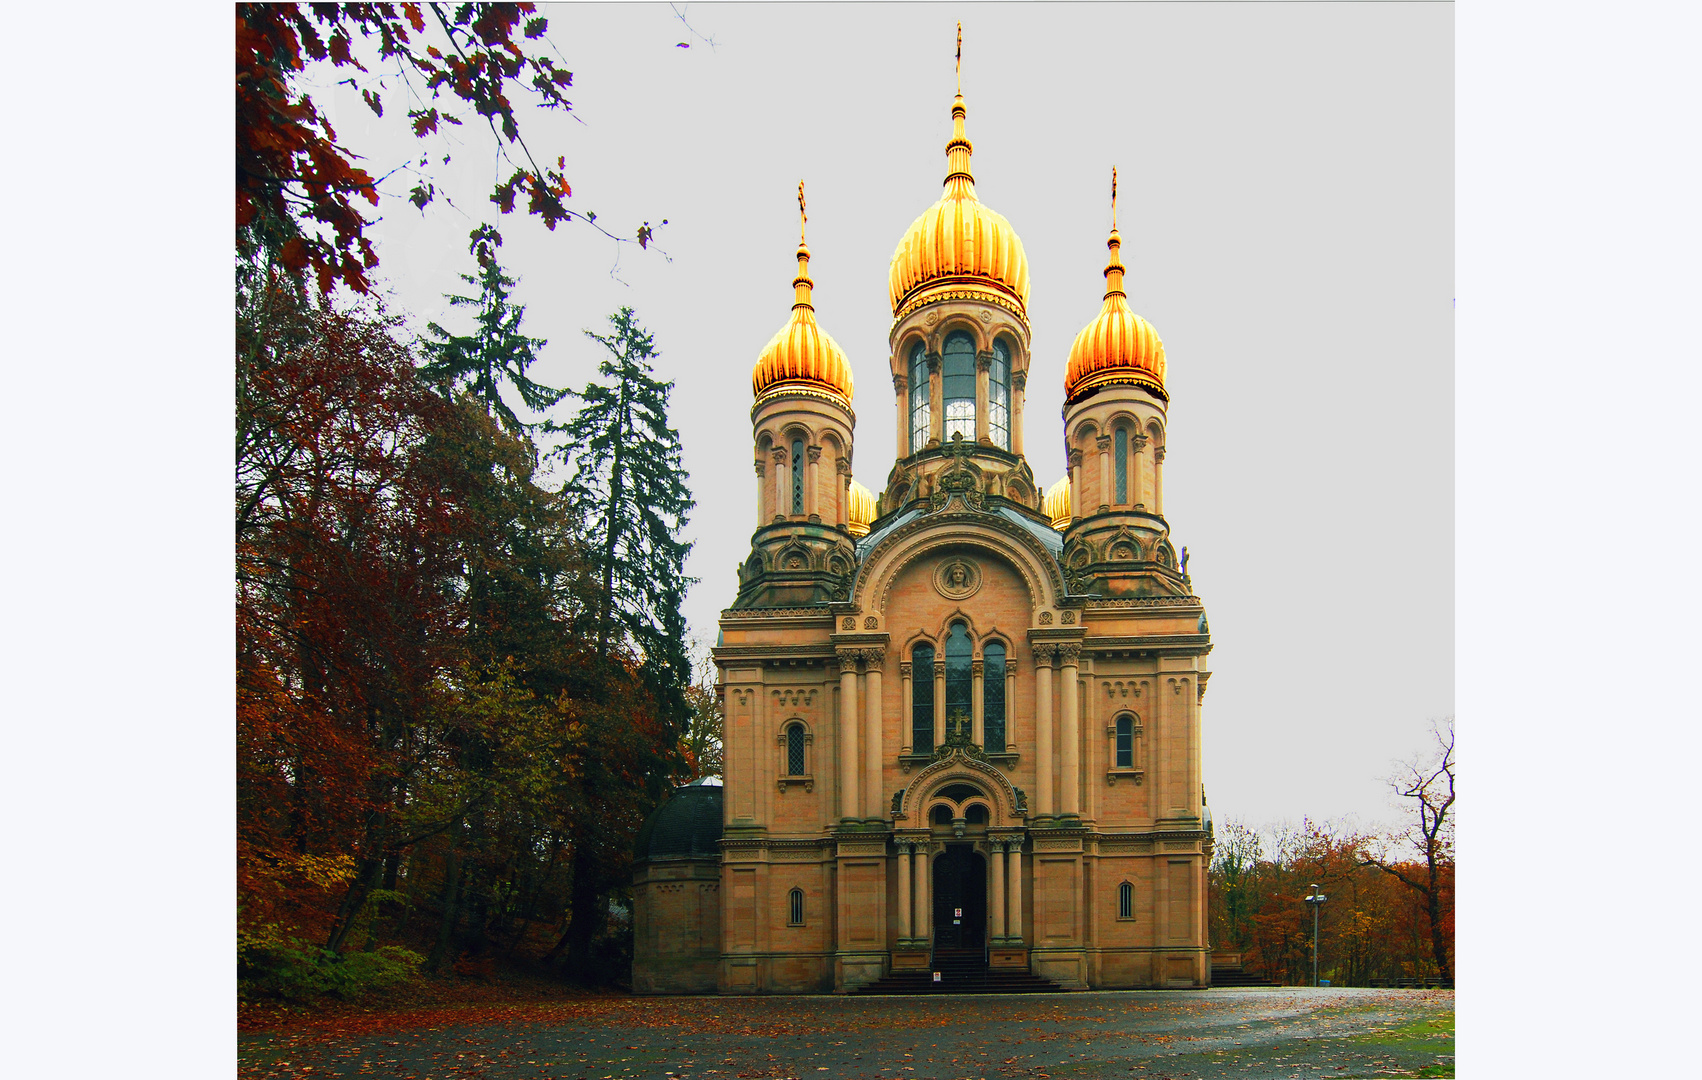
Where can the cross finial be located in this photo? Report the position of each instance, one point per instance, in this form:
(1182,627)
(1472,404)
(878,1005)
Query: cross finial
(802,216)
(1113,198)
(960,58)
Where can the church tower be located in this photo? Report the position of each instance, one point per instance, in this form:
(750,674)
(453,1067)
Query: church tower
(1117,542)
(802,424)
(960,344)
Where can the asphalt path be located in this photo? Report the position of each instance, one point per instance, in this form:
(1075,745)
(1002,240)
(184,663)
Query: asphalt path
(1151,1035)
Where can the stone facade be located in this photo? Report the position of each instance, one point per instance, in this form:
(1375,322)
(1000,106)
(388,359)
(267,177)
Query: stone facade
(955,726)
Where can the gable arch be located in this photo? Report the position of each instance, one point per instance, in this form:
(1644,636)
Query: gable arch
(1033,564)
(1005,804)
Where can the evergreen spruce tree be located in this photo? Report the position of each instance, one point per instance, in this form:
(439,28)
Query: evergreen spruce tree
(496,351)
(630,484)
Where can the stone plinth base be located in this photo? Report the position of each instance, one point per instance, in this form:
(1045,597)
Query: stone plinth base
(907,958)
(1007,958)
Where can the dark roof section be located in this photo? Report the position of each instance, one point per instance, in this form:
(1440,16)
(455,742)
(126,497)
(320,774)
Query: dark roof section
(687,826)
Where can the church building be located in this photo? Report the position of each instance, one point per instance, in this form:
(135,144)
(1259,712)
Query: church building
(962,715)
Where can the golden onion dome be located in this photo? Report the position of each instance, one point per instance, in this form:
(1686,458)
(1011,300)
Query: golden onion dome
(1057,504)
(802,355)
(859,510)
(959,248)
(1117,347)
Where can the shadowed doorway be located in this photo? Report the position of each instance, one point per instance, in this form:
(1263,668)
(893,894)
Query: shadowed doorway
(960,899)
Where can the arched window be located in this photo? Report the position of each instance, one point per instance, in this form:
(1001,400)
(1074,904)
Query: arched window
(922,699)
(1125,901)
(999,396)
(993,695)
(960,684)
(795,750)
(1122,438)
(957,372)
(1125,741)
(795,908)
(918,398)
(797,476)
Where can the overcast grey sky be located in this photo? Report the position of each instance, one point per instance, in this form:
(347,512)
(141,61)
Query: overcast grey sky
(1287,213)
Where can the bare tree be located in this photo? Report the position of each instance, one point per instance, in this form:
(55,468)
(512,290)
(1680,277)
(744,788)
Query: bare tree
(1428,780)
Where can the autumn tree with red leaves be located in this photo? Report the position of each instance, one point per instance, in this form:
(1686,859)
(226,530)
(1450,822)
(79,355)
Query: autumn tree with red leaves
(298,191)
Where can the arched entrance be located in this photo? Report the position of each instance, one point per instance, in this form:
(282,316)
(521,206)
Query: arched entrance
(960,899)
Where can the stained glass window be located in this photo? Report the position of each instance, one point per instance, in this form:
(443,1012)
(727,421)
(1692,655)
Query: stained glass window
(999,397)
(918,399)
(957,372)
(1125,742)
(959,684)
(922,699)
(795,750)
(993,695)
(797,476)
(1122,466)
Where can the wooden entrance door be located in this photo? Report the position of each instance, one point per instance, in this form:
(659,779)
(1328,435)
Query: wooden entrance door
(960,899)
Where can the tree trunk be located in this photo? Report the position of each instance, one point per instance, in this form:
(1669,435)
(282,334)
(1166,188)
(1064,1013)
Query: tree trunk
(451,910)
(586,898)
(353,901)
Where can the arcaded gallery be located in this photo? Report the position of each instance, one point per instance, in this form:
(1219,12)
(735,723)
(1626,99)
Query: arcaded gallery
(963,715)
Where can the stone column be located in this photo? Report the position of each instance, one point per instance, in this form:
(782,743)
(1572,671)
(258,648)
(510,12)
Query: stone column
(906,727)
(940,695)
(901,390)
(1014,897)
(936,402)
(924,895)
(904,899)
(782,485)
(1043,730)
(1019,395)
(1158,481)
(1106,493)
(1070,729)
(1077,492)
(1137,470)
(1010,699)
(813,455)
(848,803)
(998,889)
(872,763)
(978,701)
(761,493)
(983,423)
(842,511)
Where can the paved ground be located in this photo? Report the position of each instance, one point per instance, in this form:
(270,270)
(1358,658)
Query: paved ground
(1150,1035)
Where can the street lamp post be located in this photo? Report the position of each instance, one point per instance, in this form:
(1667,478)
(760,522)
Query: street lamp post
(1315,900)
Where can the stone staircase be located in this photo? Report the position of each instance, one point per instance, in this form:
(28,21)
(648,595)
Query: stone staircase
(1227,971)
(962,971)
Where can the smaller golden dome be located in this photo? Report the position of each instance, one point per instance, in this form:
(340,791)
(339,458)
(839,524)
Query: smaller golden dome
(859,510)
(1118,347)
(1058,504)
(802,355)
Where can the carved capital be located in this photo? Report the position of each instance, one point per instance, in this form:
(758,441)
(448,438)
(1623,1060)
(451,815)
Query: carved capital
(843,468)
(1043,653)
(1068,653)
(847,658)
(761,468)
(780,456)
(1140,441)
(814,453)
(1103,442)
(983,361)
(900,382)
(903,847)
(1075,458)
(933,359)
(1158,454)
(1019,381)
(978,667)
(904,669)
(874,659)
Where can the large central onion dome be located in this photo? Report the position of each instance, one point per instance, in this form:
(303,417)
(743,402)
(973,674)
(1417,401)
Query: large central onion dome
(1118,347)
(803,356)
(958,248)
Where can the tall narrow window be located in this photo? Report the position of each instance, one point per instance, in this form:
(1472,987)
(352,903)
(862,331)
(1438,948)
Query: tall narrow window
(1125,901)
(797,476)
(993,695)
(922,699)
(795,907)
(795,750)
(918,398)
(1122,466)
(999,397)
(960,686)
(957,372)
(1125,742)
